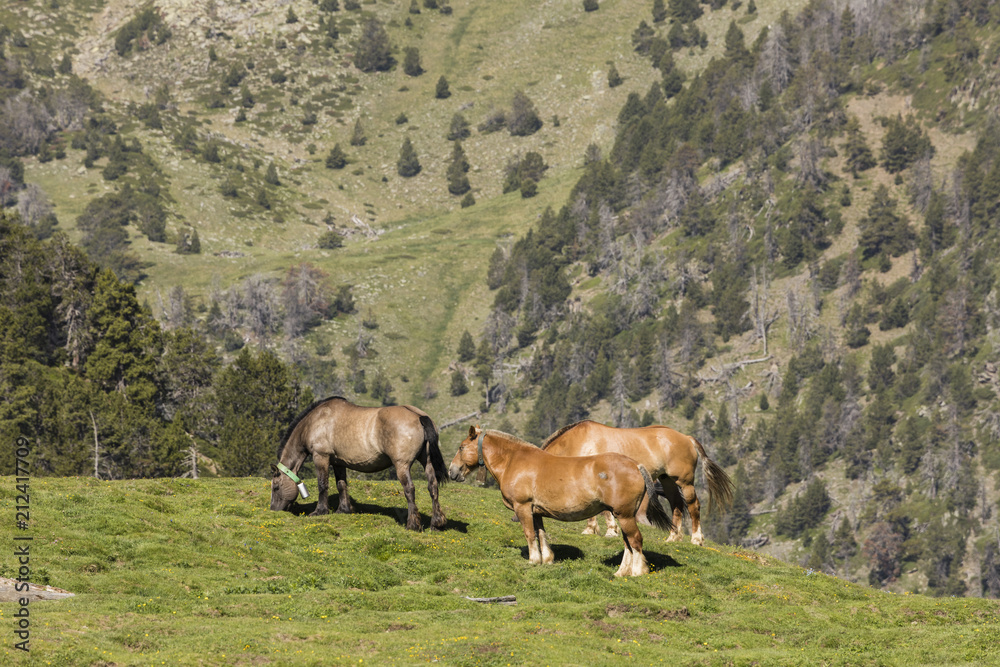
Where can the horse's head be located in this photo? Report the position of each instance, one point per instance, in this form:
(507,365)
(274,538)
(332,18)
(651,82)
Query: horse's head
(467,457)
(283,490)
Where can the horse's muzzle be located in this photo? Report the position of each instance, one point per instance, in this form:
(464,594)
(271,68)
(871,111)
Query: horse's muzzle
(455,473)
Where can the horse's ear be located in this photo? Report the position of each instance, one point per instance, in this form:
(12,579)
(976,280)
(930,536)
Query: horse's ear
(274,469)
(474,430)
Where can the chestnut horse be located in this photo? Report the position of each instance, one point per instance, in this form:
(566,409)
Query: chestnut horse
(669,456)
(536,484)
(335,431)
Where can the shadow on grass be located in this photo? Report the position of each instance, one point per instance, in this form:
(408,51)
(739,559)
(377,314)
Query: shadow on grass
(397,514)
(560,551)
(656,561)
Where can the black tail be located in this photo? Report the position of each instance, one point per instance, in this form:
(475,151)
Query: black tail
(673,496)
(655,514)
(434,457)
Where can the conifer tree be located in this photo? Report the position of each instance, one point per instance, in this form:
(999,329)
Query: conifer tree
(336,159)
(684,11)
(642,38)
(614,78)
(466,347)
(256,401)
(459,128)
(441,91)
(373,52)
(126,343)
(659,11)
(408,165)
(858,156)
(523,119)
(271,176)
(194,246)
(458,157)
(938,231)
(458,182)
(735,44)
(903,144)
(883,230)
(411,62)
(358,137)
(458,384)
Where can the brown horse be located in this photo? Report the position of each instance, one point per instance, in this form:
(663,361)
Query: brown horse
(536,484)
(335,431)
(669,456)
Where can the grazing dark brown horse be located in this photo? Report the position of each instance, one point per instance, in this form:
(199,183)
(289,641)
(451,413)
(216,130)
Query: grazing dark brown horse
(669,456)
(336,432)
(536,484)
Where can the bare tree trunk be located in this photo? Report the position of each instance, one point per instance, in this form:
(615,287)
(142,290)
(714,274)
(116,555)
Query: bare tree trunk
(192,460)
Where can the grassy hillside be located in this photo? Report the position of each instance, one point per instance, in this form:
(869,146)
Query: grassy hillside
(866,361)
(202,573)
(423,277)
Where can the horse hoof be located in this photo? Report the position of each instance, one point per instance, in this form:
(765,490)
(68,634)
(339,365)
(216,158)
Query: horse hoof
(675,537)
(611,533)
(589,531)
(699,541)
(319,512)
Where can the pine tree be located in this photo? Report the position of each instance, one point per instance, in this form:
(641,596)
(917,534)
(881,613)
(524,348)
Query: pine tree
(820,553)
(458,182)
(883,230)
(271,176)
(459,128)
(256,401)
(844,546)
(336,159)
(903,144)
(458,384)
(408,165)
(858,157)
(523,119)
(466,347)
(614,78)
(262,199)
(642,38)
(659,11)
(684,11)
(880,374)
(358,137)
(411,62)
(126,343)
(441,91)
(373,53)
(735,43)
(938,232)
(235,75)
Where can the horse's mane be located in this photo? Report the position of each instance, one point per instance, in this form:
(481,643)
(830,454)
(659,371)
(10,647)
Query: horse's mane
(300,417)
(548,440)
(508,436)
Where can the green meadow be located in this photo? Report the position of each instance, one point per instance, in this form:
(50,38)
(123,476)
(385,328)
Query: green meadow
(201,572)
